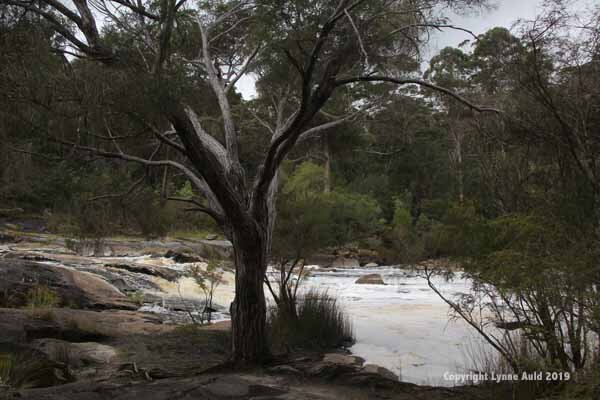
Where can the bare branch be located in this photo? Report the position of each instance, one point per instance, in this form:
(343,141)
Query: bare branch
(130,190)
(163,138)
(262,122)
(398,81)
(323,127)
(231,139)
(138,9)
(243,70)
(210,144)
(33,153)
(360,41)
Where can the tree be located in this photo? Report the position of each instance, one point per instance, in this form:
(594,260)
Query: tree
(173,57)
(452,69)
(310,219)
(532,252)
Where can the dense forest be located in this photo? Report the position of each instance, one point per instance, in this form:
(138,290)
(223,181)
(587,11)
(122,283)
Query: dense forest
(124,120)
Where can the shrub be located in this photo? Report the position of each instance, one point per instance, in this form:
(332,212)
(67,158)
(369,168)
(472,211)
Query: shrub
(207,280)
(320,324)
(137,297)
(308,219)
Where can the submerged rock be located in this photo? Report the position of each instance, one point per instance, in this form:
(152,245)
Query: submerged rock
(370,279)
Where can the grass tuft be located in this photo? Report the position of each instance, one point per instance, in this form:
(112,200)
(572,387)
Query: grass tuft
(320,324)
(40,296)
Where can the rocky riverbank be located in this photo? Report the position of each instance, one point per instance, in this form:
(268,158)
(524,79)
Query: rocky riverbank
(119,328)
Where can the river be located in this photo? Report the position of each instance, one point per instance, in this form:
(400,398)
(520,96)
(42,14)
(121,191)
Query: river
(403,325)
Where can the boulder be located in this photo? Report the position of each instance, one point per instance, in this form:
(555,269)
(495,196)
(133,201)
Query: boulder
(19,326)
(76,355)
(284,370)
(24,325)
(371,265)
(182,256)
(344,262)
(343,359)
(376,369)
(8,238)
(161,272)
(512,325)
(90,248)
(323,260)
(31,368)
(30,256)
(370,279)
(211,236)
(334,365)
(72,287)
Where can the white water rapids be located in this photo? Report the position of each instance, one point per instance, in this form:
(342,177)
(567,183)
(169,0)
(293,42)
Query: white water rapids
(403,325)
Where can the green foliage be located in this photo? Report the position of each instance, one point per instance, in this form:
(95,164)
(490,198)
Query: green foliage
(152,216)
(402,218)
(310,219)
(461,231)
(186,190)
(92,221)
(354,216)
(320,324)
(530,267)
(137,297)
(402,234)
(307,180)
(208,280)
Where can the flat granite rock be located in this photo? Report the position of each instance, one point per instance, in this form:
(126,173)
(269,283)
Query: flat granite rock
(73,287)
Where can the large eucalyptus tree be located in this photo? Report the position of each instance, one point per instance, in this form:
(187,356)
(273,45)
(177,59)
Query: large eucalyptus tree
(311,49)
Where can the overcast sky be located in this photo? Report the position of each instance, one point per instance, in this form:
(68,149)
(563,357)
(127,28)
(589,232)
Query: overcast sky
(505,13)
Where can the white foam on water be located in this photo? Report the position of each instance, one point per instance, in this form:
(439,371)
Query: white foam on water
(403,325)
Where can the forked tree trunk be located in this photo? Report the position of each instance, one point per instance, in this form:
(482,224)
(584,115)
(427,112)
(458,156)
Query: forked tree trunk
(249,339)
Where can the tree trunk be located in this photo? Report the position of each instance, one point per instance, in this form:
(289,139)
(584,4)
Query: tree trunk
(248,310)
(327,154)
(163,186)
(457,138)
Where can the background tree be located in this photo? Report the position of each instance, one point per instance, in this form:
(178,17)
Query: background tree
(529,236)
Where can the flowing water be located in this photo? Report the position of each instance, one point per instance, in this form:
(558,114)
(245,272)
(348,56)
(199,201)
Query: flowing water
(403,325)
